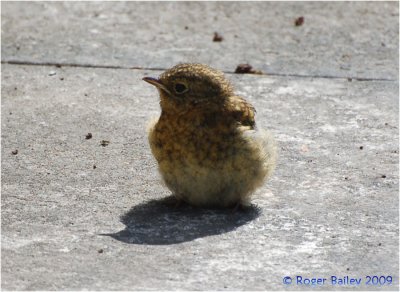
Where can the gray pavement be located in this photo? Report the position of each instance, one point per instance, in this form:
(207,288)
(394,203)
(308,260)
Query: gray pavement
(78,215)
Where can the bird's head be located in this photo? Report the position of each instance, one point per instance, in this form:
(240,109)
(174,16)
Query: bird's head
(186,85)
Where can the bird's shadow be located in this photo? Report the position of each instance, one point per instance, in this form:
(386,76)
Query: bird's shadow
(158,222)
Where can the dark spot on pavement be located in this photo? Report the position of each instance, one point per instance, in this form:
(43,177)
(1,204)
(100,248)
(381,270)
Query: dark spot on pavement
(104,143)
(299,21)
(246,69)
(217,37)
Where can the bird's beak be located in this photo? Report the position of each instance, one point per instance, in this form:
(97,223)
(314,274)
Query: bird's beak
(157,83)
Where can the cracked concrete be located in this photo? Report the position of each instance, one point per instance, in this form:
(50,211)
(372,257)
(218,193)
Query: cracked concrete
(77,215)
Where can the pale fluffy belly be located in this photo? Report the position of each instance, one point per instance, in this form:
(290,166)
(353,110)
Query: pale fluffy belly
(204,187)
(225,182)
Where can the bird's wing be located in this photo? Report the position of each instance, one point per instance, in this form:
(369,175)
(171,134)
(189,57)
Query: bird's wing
(242,111)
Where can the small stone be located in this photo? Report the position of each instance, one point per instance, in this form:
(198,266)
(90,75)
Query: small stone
(361,147)
(246,69)
(88,136)
(304,148)
(217,37)
(100,250)
(383,176)
(299,21)
(104,143)
(14,152)
(52,73)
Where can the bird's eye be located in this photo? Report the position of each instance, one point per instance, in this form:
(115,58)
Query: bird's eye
(180,88)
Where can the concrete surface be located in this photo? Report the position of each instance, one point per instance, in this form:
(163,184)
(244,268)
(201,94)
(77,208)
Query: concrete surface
(346,40)
(331,207)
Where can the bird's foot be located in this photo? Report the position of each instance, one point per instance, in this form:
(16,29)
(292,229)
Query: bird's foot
(178,203)
(173,202)
(238,206)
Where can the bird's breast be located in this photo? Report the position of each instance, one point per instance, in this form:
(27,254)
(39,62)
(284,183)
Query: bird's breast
(202,141)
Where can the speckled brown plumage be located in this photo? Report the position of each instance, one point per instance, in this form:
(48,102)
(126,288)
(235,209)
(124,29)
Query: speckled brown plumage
(205,142)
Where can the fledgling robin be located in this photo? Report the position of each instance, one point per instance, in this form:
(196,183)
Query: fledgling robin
(208,149)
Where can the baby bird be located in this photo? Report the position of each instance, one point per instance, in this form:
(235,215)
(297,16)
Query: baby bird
(208,149)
